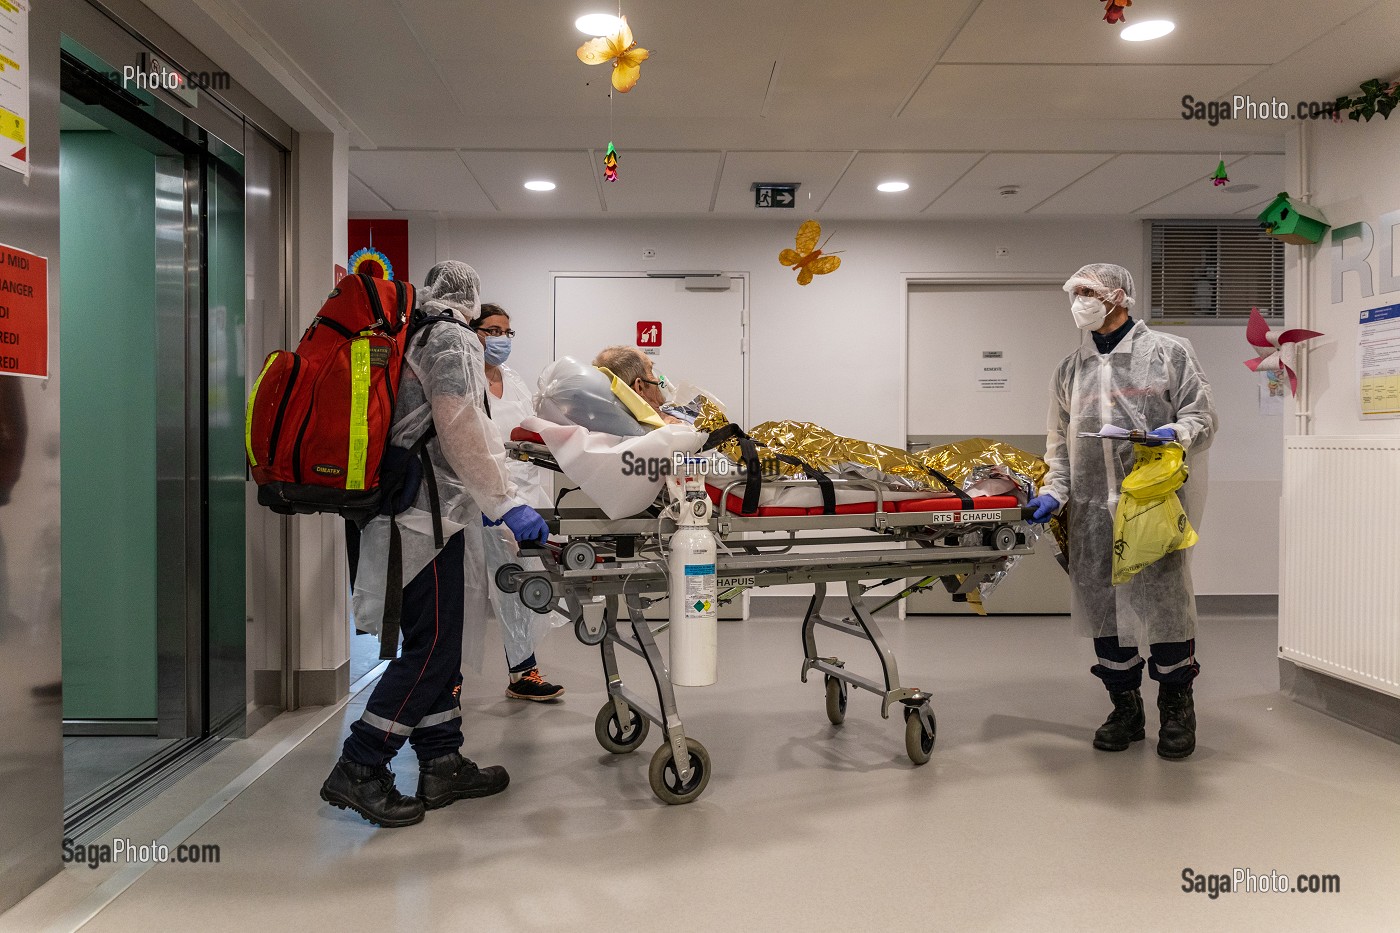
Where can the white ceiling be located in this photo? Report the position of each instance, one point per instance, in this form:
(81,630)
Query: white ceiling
(453,104)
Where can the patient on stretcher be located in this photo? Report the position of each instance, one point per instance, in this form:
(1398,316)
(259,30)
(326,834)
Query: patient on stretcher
(599,427)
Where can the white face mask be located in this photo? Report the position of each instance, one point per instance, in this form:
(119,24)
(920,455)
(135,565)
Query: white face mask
(1089,312)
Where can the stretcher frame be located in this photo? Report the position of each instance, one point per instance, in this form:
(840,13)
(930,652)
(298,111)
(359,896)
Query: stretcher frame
(959,549)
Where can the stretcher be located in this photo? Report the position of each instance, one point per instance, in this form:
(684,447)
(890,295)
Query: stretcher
(610,570)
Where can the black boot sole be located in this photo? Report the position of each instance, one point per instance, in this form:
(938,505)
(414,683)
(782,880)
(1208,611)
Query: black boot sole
(1174,755)
(1106,747)
(437,803)
(344,803)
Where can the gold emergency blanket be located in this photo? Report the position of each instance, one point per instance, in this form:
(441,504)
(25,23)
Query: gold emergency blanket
(834,453)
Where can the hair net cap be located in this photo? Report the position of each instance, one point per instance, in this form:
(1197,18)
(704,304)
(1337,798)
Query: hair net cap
(452,286)
(1106,279)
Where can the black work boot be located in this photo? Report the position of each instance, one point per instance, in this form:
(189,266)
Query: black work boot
(452,777)
(1177,710)
(370,792)
(1125,725)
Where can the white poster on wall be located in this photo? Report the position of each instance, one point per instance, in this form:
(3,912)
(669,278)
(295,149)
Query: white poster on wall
(1378,362)
(992,376)
(14,85)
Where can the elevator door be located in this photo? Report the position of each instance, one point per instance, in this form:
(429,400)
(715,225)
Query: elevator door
(154,363)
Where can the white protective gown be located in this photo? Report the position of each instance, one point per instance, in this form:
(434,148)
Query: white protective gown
(1149,380)
(521,628)
(443,383)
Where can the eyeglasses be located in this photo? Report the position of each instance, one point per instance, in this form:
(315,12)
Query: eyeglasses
(496,331)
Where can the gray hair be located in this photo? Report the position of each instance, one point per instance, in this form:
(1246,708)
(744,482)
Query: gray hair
(626,363)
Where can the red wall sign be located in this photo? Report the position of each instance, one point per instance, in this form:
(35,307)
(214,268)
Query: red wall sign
(648,333)
(24,313)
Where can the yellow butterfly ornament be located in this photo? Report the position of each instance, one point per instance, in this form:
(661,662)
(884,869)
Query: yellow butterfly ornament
(620,49)
(807,259)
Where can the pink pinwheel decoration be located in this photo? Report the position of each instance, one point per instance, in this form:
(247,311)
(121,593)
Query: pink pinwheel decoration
(1276,350)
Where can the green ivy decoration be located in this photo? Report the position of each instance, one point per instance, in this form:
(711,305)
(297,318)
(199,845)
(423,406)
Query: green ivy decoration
(1377,97)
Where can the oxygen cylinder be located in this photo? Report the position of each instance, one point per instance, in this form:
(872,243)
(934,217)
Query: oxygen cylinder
(694,632)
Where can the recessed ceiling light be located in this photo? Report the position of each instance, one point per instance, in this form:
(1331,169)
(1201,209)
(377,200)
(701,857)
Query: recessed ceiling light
(598,24)
(1152,29)
(892,186)
(540,185)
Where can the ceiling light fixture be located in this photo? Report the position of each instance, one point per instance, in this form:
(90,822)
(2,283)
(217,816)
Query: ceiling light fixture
(889,186)
(1152,29)
(598,24)
(540,185)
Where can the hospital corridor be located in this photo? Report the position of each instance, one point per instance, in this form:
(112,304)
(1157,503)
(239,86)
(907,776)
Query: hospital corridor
(746,466)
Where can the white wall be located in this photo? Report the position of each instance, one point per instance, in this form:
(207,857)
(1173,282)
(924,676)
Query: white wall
(1352,178)
(828,352)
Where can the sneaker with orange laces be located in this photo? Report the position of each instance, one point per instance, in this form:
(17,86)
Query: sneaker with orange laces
(530,685)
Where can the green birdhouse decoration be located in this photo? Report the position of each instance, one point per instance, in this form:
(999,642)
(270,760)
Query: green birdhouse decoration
(1299,224)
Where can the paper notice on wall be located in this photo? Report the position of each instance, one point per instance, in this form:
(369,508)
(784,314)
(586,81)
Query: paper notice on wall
(1378,362)
(992,377)
(14,85)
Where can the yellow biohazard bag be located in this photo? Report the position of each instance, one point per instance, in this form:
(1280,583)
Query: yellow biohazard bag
(1150,522)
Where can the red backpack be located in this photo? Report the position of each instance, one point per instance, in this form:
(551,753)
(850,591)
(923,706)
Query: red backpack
(318,419)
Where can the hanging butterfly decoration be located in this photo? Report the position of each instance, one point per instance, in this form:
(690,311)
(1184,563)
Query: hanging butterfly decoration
(620,49)
(1277,351)
(610,163)
(1113,10)
(1220,178)
(807,259)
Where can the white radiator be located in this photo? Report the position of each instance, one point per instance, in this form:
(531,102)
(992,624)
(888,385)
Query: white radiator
(1339,596)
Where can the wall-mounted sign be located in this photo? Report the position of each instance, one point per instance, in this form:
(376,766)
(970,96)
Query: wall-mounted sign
(1378,359)
(24,312)
(380,248)
(14,85)
(649,336)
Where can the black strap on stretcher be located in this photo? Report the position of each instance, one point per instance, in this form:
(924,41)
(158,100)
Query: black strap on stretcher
(753,469)
(963,498)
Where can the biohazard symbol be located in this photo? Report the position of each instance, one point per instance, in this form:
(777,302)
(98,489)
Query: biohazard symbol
(1119,547)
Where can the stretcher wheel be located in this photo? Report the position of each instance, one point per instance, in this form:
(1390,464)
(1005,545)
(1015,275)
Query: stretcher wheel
(582,633)
(613,737)
(505,578)
(579,555)
(835,700)
(537,594)
(1003,538)
(666,783)
(918,741)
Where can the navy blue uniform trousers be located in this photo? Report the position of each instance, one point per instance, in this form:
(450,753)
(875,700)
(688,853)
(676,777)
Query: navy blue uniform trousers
(418,698)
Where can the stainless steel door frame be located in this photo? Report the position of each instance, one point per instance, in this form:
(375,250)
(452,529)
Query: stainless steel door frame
(267,188)
(175,717)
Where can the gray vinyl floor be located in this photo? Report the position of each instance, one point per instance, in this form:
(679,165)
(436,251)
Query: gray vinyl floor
(1015,824)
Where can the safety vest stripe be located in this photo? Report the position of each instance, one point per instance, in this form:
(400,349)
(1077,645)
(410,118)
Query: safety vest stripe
(359,414)
(248,416)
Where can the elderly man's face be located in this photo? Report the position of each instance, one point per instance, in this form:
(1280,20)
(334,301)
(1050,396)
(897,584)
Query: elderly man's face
(647,387)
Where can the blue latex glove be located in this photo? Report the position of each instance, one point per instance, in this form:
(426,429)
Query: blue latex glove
(1159,437)
(526,524)
(487,523)
(1045,505)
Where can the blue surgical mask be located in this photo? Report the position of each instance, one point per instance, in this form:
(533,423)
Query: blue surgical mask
(497,349)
